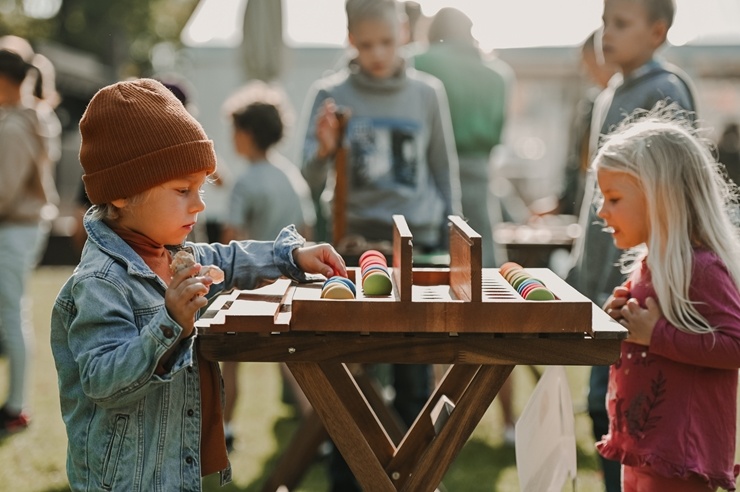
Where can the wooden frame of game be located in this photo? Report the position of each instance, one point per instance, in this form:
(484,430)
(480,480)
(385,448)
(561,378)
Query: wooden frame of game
(464,316)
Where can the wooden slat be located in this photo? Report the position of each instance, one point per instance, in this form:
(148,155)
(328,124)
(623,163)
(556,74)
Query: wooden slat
(339,200)
(346,415)
(465,260)
(470,408)
(403,246)
(421,434)
(435,315)
(419,349)
(259,310)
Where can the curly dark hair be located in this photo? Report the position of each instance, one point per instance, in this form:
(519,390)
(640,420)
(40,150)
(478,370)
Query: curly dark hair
(262,121)
(12,66)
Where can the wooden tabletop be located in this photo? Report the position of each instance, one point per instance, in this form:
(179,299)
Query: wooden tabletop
(463,316)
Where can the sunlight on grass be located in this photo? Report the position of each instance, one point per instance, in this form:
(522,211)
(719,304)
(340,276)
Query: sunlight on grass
(34,460)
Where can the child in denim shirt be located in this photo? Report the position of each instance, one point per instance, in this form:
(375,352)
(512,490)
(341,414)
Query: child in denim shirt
(141,406)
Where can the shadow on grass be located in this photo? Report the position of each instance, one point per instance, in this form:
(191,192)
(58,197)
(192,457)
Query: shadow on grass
(314,478)
(479,466)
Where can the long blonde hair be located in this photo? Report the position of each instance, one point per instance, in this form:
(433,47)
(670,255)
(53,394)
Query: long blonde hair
(688,205)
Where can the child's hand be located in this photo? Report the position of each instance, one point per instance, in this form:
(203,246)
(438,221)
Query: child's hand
(185,296)
(320,258)
(619,297)
(640,322)
(327,129)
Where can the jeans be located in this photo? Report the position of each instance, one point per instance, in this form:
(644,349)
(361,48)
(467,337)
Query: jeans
(19,252)
(597,385)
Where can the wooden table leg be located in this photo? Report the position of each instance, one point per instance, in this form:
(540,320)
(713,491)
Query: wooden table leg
(310,434)
(350,421)
(469,409)
(421,434)
(423,457)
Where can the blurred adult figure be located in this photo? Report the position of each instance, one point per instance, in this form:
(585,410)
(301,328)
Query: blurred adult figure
(27,205)
(728,151)
(478,91)
(46,100)
(598,73)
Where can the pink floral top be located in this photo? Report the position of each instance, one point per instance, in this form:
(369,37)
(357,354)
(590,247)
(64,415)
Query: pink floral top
(673,405)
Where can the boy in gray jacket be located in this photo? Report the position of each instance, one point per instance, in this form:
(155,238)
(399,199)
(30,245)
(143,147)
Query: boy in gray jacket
(401,150)
(632,33)
(400,159)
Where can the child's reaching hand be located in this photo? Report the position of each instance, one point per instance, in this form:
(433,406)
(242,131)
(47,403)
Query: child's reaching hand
(327,129)
(185,296)
(320,258)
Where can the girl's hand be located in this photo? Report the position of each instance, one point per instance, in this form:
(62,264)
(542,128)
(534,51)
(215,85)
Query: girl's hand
(185,296)
(640,322)
(327,129)
(613,305)
(320,258)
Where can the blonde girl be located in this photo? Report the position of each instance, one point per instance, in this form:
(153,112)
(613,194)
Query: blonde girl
(673,392)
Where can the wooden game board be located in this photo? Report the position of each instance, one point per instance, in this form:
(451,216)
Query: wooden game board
(463,315)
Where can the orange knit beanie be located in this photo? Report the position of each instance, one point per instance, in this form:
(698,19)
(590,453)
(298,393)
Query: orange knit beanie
(137,135)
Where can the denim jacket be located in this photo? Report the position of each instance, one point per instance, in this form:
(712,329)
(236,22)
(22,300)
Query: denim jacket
(128,428)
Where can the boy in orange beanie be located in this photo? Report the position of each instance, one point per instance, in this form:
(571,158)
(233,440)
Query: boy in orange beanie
(142,407)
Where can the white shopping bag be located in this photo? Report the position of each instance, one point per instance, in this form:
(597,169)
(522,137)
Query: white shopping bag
(544,435)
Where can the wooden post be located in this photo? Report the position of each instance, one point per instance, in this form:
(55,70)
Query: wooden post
(465,261)
(339,202)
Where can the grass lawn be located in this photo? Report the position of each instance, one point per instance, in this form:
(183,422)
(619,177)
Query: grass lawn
(34,460)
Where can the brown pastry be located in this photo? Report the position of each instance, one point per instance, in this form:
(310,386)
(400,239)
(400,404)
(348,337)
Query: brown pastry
(184,259)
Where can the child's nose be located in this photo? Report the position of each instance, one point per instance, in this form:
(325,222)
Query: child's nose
(198,205)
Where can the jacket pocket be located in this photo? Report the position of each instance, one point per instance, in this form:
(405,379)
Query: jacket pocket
(113,452)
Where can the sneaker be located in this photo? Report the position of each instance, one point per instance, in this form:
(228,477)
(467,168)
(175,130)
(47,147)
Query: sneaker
(229,441)
(10,424)
(509,435)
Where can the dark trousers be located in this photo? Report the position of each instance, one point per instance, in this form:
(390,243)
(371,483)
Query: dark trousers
(598,381)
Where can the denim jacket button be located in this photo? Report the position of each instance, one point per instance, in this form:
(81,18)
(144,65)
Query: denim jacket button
(189,460)
(190,413)
(167,331)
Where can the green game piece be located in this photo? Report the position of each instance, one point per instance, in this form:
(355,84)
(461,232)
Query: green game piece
(377,284)
(540,294)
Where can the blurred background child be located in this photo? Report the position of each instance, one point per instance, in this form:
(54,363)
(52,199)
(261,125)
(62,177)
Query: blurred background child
(269,194)
(632,32)
(27,206)
(400,160)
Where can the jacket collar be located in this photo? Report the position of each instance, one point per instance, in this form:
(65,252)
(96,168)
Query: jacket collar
(393,83)
(111,244)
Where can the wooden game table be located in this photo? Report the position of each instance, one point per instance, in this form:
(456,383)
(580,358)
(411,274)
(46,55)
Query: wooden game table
(464,316)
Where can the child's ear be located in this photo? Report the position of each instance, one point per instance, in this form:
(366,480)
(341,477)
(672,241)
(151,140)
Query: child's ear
(659,33)
(119,202)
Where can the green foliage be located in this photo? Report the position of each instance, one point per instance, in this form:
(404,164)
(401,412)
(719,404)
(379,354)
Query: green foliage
(120,33)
